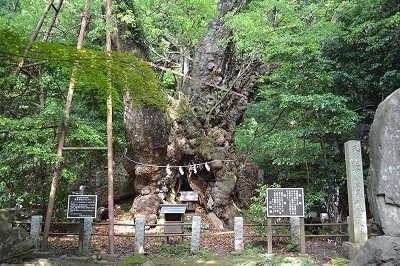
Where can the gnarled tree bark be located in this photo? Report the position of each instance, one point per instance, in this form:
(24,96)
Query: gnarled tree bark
(199,127)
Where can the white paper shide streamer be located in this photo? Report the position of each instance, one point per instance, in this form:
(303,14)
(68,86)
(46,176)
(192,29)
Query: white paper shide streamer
(207,167)
(194,169)
(181,170)
(169,172)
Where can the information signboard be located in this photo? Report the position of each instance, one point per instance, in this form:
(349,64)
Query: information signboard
(82,206)
(285,202)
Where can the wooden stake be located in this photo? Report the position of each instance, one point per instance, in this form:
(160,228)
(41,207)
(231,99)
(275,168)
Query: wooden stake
(302,236)
(61,140)
(109,139)
(269,235)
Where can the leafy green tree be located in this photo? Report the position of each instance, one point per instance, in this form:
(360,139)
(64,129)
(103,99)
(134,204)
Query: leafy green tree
(295,124)
(366,53)
(173,24)
(32,114)
(171,29)
(329,65)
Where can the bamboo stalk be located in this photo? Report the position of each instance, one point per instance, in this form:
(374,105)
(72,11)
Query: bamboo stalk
(61,140)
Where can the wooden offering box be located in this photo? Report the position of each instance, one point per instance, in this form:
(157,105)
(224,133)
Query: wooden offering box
(173,215)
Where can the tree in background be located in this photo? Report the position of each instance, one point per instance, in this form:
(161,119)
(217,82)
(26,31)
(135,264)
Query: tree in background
(325,67)
(32,113)
(331,65)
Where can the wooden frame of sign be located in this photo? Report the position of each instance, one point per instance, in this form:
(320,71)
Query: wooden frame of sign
(285,202)
(82,206)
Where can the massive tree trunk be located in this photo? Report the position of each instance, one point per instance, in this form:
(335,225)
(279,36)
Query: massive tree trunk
(199,128)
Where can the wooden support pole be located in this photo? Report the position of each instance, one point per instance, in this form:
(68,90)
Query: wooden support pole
(269,235)
(302,236)
(61,142)
(34,36)
(84,148)
(109,138)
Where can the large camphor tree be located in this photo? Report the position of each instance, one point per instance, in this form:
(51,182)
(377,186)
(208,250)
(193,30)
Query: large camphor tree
(190,146)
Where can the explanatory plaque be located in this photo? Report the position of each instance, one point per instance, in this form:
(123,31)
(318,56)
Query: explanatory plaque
(285,202)
(82,206)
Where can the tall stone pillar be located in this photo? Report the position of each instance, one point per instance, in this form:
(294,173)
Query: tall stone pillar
(87,236)
(196,234)
(139,235)
(356,196)
(36,229)
(295,229)
(239,238)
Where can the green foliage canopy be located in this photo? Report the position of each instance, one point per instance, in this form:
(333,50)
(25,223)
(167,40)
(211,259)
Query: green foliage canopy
(31,116)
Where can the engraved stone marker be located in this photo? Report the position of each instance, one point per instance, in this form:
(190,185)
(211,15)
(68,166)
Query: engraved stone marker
(36,229)
(87,236)
(355,190)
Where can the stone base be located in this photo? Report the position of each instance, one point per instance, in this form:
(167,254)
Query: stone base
(109,257)
(237,252)
(79,258)
(351,249)
(42,254)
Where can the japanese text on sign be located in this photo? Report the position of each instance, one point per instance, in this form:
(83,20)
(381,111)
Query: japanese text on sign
(82,206)
(285,202)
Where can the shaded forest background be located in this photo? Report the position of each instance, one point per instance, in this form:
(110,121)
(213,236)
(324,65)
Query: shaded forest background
(326,65)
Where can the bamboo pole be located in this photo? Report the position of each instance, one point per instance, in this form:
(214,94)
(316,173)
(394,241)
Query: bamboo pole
(61,140)
(84,148)
(34,35)
(109,138)
(45,38)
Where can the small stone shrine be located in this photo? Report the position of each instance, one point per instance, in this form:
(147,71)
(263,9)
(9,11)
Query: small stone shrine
(15,241)
(384,185)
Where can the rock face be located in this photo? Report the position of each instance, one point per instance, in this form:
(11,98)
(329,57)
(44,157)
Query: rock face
(14,240)
(384,172)
(380,250)
(384,185)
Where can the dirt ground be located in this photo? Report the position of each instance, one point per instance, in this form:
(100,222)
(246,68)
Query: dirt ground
(219,246)
(214,244)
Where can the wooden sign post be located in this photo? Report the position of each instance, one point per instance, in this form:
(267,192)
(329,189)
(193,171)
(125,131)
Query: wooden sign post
(82,206)
(285,202)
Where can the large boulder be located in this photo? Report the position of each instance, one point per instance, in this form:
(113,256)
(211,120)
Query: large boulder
(379,250)
(15,241)
(384,171)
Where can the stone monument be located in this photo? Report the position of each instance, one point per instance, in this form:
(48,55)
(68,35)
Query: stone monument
(384,185)
(355,190)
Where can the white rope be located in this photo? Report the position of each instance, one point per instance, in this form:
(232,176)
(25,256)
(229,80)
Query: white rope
(206,164)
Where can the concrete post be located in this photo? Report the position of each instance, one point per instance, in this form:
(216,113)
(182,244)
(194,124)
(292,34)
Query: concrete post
(260,176)
(295,229)
(139,235)
(239,239)
(87,236)
(36,229)
(196,232)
